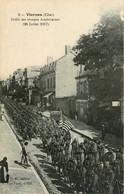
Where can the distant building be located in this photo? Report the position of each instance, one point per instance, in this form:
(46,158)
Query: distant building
(66,72)
(65,75)
(58,82)
(84,95)
(18,77)
(30,74)
(47,82)
(47,75)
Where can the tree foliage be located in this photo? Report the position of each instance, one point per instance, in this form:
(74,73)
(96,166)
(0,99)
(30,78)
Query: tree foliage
(103,48)
(102,51)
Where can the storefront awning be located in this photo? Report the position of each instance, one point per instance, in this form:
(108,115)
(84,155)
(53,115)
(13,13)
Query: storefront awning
(47,95)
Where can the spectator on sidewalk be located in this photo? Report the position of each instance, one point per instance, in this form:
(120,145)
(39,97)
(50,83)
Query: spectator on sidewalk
(103,132)
(24,159)
(4,176)
(76,115)
(1,111)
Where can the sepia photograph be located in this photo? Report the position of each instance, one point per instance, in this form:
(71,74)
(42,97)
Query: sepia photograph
(61,96)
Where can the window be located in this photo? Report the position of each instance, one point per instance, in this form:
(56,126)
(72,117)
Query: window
(53,82)
(48,83)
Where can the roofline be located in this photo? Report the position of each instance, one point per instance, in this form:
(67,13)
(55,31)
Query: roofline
(55,61)
(64,56)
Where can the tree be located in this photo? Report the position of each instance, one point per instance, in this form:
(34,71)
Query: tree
(102,51)
(103,48)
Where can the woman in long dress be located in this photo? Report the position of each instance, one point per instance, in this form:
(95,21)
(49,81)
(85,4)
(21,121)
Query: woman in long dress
(4,170)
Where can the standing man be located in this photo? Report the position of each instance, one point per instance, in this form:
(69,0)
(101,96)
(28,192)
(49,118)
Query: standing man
(2,111)
(103,132)
(24,159)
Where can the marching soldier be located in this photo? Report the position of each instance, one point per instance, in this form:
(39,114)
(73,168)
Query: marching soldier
(90,166)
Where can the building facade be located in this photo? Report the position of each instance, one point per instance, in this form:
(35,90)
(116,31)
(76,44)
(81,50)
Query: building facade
(58,84)
(47,82)
(18,76)
(31,73)
(84,96)
(66,72)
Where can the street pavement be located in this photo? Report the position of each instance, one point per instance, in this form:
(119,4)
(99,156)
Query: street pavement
(22,180)
(89,131)
(86,131)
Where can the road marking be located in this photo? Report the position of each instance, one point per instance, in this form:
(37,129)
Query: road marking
(36,175)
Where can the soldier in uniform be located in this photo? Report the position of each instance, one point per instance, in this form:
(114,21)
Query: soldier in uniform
(61,162)
(80,153)
(71,168)
(74,147)
(110,179)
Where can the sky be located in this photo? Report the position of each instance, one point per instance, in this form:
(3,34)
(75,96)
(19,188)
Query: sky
(22,46)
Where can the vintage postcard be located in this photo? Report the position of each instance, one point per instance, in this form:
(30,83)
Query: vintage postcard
(61,96)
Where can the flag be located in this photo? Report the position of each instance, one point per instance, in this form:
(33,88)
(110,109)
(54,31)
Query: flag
(64,123)
(67,125)
(61,120)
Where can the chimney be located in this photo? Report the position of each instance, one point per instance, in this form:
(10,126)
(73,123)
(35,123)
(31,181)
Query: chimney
(67,49)
(49,60)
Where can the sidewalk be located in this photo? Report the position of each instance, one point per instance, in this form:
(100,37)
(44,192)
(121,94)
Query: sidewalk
(22,179)
(38,158)
(89,131)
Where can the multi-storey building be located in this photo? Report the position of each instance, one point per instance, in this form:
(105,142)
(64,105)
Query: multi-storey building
(84,95)
(18,77)
(47,82)
(47,76)
(30,74)
(58,81)
(66,72)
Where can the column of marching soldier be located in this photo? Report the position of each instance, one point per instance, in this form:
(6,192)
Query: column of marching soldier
(88,167)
